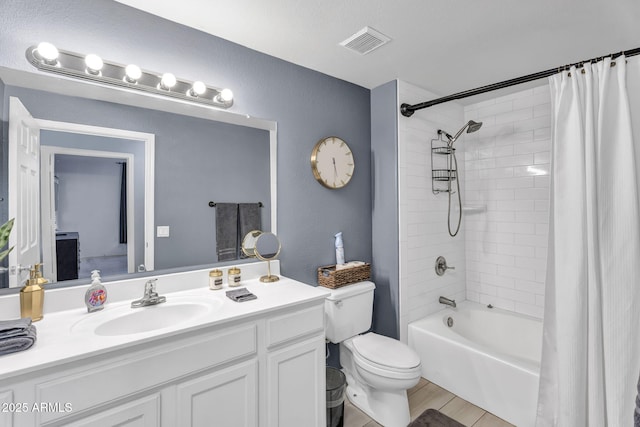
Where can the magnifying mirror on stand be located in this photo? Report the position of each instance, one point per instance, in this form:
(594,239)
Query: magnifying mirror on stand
(266,247)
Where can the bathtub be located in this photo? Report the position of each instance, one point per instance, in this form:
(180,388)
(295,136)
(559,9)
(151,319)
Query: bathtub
(489,357)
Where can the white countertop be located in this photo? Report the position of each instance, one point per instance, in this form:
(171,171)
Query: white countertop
(59,341)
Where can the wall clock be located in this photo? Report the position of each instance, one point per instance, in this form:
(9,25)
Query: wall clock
(332,162)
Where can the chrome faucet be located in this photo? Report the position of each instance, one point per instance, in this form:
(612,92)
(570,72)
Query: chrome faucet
(150,297)
(447,301)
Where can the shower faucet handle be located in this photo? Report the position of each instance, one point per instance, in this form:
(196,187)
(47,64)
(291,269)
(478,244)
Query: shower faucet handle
(441,266)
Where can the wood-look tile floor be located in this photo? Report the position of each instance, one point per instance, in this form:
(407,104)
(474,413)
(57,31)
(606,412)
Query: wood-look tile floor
(426,395)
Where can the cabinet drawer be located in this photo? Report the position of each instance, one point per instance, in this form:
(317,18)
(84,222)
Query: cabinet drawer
(144,412)
(144,369)
(295,325)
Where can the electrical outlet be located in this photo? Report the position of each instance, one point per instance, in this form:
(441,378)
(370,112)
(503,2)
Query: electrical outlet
(163,231)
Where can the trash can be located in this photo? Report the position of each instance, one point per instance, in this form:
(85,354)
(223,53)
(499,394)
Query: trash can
(336,383)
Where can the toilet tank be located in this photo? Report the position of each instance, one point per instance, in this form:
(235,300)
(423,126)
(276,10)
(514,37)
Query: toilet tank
(349,310)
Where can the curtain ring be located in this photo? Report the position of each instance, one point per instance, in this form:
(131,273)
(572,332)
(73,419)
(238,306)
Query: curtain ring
(582,68)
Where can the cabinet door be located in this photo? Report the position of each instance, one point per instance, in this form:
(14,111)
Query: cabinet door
(144,412)
(228,397)
(6,408)
(296,385)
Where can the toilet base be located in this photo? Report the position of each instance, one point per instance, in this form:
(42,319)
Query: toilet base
(388,408)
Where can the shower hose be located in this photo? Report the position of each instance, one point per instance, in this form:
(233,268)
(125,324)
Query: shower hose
(454,233)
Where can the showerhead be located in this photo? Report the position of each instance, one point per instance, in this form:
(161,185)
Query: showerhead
(473,126)
(470,127)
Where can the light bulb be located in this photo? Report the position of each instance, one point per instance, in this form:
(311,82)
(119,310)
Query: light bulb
(48,52)
(132,73)
(167,81)
(94,63)
(225,95)
(198,89)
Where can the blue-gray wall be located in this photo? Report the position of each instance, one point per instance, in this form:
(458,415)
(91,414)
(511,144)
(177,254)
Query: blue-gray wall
(306,104)
(384,155)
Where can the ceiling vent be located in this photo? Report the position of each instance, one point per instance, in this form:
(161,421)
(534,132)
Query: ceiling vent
(365,40)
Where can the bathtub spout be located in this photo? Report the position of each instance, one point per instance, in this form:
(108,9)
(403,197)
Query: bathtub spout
(447,301)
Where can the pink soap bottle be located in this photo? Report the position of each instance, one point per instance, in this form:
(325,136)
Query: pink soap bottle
(96,295)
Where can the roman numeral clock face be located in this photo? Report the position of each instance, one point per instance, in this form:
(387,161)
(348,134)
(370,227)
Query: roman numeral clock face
(332,162)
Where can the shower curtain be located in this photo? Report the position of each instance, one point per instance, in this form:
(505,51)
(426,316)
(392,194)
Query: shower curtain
(591,341)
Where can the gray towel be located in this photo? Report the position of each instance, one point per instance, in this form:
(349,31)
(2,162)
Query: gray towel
(227,231)
(240,295)
(16,335)
(249,217)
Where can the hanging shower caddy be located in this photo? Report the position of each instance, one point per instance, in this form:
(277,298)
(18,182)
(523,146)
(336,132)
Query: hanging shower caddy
(443,171)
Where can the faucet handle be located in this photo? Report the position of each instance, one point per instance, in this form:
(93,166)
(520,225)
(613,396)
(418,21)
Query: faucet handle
(441,266)
(150,286)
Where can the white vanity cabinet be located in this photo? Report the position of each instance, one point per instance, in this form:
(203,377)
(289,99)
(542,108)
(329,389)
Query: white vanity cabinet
(6,408)
(266,369)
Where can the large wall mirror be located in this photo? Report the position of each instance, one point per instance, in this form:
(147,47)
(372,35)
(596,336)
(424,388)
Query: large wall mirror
(128,183)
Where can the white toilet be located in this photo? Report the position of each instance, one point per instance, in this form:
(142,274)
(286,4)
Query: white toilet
(379,369)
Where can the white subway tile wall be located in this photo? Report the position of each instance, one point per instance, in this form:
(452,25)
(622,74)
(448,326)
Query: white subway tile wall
(500,253)
(507,170)
(423,215)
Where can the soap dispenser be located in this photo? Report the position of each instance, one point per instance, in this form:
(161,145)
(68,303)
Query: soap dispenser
(32,295)
(96,295)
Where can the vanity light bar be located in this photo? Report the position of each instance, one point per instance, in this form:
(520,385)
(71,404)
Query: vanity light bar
(45,57)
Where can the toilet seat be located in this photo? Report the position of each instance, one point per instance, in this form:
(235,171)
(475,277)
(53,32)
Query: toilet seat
(384,355)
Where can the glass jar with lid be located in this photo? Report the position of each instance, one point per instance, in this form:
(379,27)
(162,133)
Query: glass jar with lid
(215,279)
(234,276)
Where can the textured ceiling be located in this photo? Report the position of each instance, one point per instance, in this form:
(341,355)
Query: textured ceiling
(445,46)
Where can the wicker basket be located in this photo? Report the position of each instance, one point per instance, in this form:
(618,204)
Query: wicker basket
(329,277)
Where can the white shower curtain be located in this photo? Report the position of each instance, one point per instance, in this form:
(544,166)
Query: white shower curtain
(591,342)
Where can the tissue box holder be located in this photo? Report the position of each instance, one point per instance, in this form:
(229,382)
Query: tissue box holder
(329,277)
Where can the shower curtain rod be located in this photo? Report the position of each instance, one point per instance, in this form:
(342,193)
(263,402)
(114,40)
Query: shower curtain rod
(407,110)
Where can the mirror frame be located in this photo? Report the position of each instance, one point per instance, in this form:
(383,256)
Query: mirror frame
(259,255)
(100,92)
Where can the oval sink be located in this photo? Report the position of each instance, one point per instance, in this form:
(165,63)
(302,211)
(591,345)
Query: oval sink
(144,319)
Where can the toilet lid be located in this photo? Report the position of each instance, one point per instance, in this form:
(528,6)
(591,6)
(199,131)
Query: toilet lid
(385,351)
